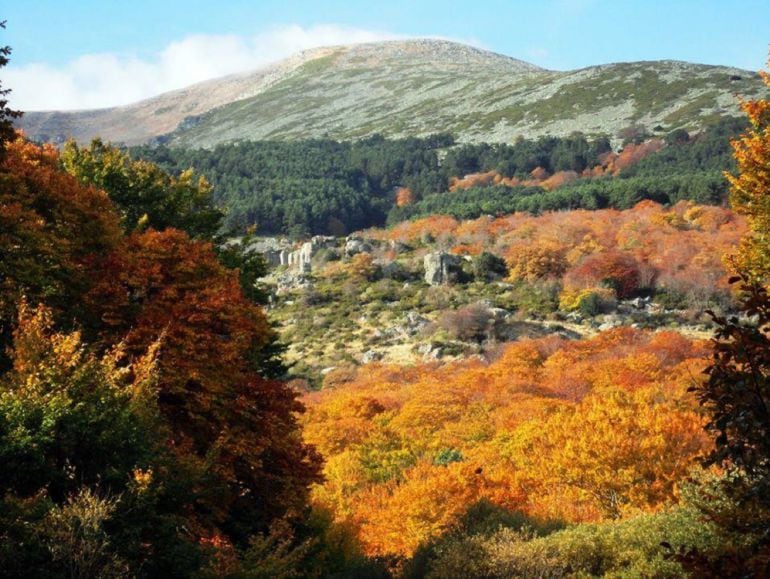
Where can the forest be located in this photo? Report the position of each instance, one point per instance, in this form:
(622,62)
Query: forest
(147,428)
(327,187)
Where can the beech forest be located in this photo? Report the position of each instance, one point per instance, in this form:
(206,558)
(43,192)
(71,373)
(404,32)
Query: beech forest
(387,357)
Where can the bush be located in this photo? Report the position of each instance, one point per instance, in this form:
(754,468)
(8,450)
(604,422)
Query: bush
(588,302)
(488,266)
(612,269)
(535,298)
(532,262)
(630,548)
(447,455)
(471,323)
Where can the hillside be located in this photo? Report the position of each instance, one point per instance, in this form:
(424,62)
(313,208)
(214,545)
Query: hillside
(414,88)
(439,288)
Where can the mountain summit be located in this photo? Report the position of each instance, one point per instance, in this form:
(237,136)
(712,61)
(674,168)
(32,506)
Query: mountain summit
(413,88)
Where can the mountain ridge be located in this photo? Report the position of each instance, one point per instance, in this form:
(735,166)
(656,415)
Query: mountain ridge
(413,88)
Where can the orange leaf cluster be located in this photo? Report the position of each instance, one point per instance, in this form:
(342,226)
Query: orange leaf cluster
(750,188)
(404,196)
(677,248)
(573,430)
(611,164)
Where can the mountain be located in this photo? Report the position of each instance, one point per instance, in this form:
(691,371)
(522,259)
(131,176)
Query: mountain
(414,88)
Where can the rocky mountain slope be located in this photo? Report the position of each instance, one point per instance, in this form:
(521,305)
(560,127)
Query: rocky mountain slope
(413,88)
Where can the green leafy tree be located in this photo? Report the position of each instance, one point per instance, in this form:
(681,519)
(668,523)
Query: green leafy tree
(87,486)
(145,195)
(7,132)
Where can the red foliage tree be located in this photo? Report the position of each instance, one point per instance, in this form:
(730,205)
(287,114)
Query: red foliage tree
(404,196)
(614,269)
(50,227)
(165,285)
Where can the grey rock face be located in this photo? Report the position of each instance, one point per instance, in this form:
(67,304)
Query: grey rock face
(355,245)
(301,258)
(414,322)
(289,282)
(440,268)
(430,352)
(393,270)
(371,356)
(275,250)
(398,247)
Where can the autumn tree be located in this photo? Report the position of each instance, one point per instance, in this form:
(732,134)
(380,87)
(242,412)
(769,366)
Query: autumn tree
(555,429)
(534,261)
(88,486)
(426,503)
(51,228)
(165,285)
(750,189)
(737,392)
(145,195)
(613,453)
(616,270)
(229,436)
(404,196)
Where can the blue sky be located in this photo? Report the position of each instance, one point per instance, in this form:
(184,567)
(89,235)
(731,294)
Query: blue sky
(72,54)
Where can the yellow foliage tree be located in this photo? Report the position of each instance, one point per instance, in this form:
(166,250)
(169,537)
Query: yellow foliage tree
(750,189)
(613,453)
(396,518)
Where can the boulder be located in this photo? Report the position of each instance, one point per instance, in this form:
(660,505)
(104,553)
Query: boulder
(413,324)
(398,247)
(300,259)
(356,245)
(430,352)
(441,268)
(371,356)
(289,282)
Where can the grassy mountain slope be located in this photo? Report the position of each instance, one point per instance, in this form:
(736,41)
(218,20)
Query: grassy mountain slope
(412,88)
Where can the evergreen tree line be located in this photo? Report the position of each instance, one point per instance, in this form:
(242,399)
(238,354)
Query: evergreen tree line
(329,187)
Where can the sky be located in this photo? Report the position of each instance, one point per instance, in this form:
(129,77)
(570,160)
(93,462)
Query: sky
(74,54)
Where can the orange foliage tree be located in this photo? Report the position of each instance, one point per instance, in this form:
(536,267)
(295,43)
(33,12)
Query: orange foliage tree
(162,285)
(613,269)
(577,431)
(535,260)
(236,433)
(750,187)
(50,227)
(677,249)
(404,197)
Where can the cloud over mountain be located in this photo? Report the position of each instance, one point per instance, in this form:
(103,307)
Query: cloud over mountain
(106,79)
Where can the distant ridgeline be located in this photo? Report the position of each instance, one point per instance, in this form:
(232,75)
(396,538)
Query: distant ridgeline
(330,187)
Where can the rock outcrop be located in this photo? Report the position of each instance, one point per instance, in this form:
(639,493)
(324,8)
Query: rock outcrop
(441,268)
(301,258)
(355,245)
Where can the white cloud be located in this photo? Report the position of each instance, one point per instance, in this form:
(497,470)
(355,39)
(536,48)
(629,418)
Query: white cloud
(103,80)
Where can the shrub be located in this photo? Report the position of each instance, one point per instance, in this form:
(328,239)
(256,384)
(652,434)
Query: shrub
(535,298)
(469,323)
(588,302)
(630,548)
(488,266)
(532,262)
(612,269)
